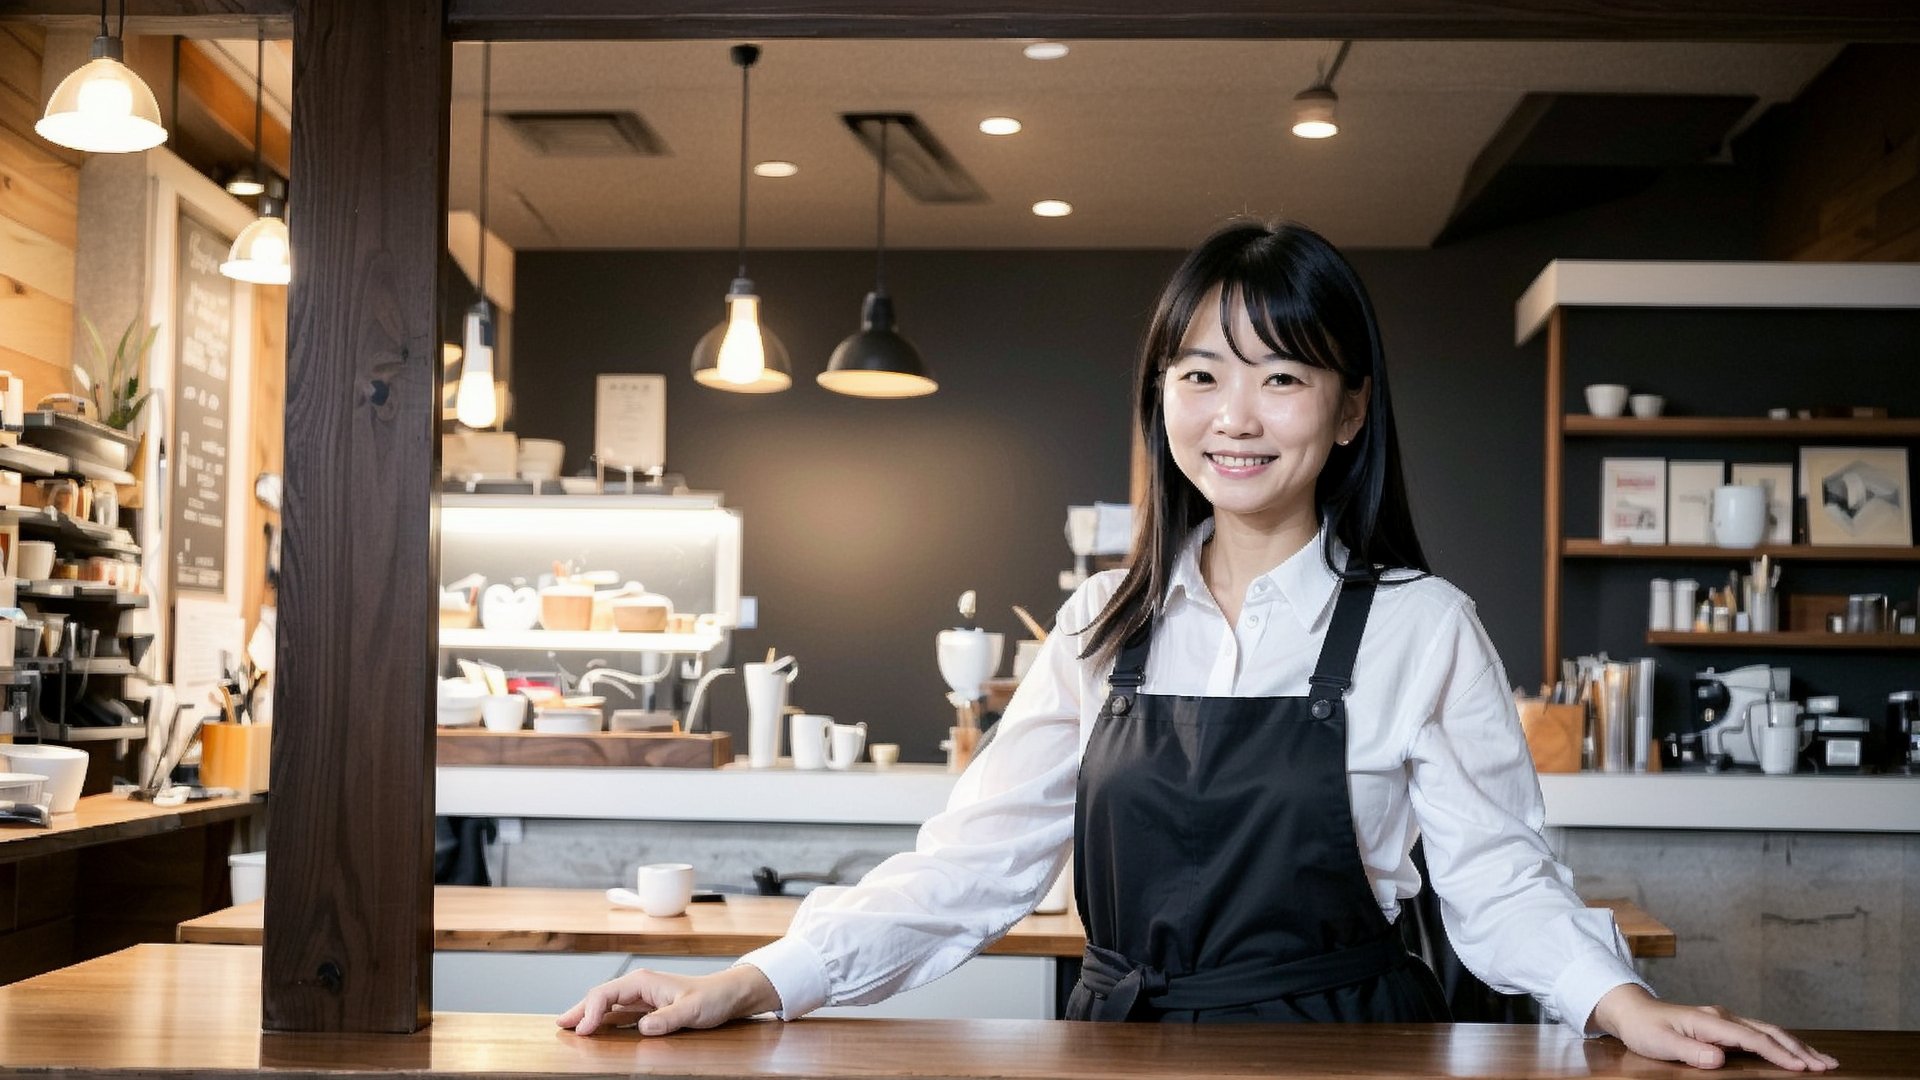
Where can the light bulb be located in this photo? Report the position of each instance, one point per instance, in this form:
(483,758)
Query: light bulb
(105,97)
(743,356)
(1313,114)
(474,404)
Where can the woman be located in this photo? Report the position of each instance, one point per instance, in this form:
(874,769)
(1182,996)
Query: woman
(1241,737)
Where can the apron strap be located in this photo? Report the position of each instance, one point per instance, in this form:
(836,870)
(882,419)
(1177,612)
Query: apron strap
(1129,671)
(1333,675)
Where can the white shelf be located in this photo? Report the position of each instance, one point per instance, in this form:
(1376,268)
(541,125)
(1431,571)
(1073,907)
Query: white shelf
(863,795)
(579,641)
(1614,283)
(1735,801)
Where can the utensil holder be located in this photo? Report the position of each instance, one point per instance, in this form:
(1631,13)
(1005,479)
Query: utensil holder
(236,756)
(1553,734)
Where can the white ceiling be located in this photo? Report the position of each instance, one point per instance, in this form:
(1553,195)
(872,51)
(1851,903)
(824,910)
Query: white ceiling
(1153,142)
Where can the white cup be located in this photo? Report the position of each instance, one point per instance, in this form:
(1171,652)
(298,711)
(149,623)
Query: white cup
(1024,654)
(64,767)
(807,739)
(247,876)
(503,712)
(35,561)
(665,889)
(1780,739)
(1606,399)
(1739,515)
(885,755)
(1647,406)
(766,703)
(845,743)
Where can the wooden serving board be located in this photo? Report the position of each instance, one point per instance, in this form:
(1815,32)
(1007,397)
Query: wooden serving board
(620,749)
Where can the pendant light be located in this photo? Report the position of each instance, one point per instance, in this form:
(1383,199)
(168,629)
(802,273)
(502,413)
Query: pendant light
(474,404)
(262,253)
(1313,107)
(740,354)
(247,182)
(103,107)
(876,362)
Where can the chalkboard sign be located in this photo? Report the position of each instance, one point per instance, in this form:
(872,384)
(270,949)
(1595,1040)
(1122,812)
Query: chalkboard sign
(202,376)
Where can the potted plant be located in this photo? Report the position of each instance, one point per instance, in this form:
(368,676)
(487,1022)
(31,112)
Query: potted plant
(114,383)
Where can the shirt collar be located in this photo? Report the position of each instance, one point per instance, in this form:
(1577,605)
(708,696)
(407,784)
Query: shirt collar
(1304,580)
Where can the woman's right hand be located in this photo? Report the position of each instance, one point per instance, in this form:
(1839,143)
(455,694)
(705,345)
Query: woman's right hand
(661,1003)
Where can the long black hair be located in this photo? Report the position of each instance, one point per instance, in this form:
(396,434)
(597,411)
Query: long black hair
(1304,300)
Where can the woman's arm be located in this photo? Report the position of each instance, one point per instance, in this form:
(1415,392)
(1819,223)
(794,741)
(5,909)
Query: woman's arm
(1508,904)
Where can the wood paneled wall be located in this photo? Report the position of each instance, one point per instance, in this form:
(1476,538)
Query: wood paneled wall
(39,225)
(1842,162)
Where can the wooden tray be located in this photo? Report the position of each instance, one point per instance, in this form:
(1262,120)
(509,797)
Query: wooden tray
(621,749)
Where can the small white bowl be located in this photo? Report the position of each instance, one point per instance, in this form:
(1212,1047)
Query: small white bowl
(564,721)
(1606,399)
(1647,406)
(64,767)
(539,459)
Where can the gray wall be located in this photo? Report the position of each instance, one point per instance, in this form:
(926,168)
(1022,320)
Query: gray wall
(865,519)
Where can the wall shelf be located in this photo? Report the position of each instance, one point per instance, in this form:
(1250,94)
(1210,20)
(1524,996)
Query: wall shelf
(1739,427)
(1786,639)
(1586,547)
(579,641)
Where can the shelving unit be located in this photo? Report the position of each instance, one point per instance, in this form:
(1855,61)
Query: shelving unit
(1566,283)
(1786,639)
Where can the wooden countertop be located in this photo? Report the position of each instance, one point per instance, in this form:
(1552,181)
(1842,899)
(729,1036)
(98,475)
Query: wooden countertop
(101,819)
(195,1009)
(469,919)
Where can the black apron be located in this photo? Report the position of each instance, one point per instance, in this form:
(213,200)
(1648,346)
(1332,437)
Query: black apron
(1215,861)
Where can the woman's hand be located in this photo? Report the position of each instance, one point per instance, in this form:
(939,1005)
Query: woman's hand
(1694,1034)
(661,1003)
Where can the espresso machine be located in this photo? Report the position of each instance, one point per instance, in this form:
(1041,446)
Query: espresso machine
(1724,724)
(1902,734)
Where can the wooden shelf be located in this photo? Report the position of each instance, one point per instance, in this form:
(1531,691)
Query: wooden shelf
(620,749)
(1740,427)
(579,640)
(1589,548)
(1787,639)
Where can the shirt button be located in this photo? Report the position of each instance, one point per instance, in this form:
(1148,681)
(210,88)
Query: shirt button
(1253,620)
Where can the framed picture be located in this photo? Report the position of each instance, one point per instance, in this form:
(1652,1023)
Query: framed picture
(1777,478)
(1633,500)
(1857,495)
(1690,487)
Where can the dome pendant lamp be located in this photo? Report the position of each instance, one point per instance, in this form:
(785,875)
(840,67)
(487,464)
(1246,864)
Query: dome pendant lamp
(473,403)
(876,362)
(247,181)
(1313,107)
(262,253)
(103,107)
(740,354)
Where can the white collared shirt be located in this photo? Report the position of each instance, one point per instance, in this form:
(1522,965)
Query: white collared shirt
(1434,749)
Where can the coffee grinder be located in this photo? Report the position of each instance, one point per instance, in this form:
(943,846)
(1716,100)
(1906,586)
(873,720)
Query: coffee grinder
(1720,730)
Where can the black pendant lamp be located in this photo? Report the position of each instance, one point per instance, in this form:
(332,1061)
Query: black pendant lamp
(474,403)
(741,355)
(876,362)
(247,183)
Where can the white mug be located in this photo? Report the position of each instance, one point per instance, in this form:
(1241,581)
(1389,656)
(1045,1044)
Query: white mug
(1780,743)
(35,560)
(807,739)
(665,889)
(847,740)
(1739,518)
(766,703)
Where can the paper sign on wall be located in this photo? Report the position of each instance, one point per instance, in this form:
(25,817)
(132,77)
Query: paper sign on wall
(630,422)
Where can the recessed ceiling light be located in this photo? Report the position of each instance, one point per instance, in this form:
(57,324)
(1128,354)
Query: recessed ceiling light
(775,168)
(1053,208)
(1046,50)
(1000,125)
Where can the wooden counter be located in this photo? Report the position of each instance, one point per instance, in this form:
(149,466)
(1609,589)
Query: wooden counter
(112,873)
(467,919)
(195,1009)
(103,819)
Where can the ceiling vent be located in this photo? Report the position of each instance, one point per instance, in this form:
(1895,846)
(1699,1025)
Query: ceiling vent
(586,134)
(1561,152)
(915,158)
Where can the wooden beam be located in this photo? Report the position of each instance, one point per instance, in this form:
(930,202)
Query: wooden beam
(230,106)
(1597,20)
(349,934)
(186,18)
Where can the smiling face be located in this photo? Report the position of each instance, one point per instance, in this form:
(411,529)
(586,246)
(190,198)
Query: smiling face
(1251,427)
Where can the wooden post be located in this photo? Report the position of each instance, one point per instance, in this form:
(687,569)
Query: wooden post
(349,937)
(1556,482)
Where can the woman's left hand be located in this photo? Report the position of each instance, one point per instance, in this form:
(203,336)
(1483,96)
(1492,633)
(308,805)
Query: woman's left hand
(1694,1034)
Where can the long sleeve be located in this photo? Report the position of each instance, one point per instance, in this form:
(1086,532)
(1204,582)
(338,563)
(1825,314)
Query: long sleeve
(1509,906)
(977,867)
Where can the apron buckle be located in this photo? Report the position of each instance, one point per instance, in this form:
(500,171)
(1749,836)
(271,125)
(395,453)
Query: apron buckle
(1119,704)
